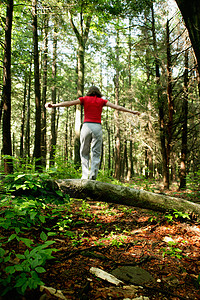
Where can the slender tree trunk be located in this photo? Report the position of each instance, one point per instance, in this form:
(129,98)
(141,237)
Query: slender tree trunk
(116,114)
(198,80)
(109,142)
(6,95)
(1,108)
(27,131)
(161,103)
(130,171)
(37,144)
(184,148)
(44,93)
(130,165)
(53,112)
(125,162)
(80,92)
(82,38)
(170,100)
(71,137)
(67,136)
(129,55)
(23,118)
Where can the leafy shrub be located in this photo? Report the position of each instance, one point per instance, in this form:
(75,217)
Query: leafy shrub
(24,274)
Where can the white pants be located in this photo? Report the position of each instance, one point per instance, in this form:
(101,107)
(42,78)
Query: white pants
(91,134)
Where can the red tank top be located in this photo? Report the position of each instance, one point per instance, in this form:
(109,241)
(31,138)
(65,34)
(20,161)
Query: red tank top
(92,108)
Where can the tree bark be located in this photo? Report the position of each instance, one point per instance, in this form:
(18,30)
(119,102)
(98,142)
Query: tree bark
(37,143)
(23,118)
(184,147)
(82,38)
(27,132)
(6,94)
(170,101)
(44,93)
(191,14)
(160,100)
(100,191)
(116,114)
(53,112)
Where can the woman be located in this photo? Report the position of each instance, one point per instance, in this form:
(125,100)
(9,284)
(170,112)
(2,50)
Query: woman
(91,132)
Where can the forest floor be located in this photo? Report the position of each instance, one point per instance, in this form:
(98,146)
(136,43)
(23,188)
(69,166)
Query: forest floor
(109,236)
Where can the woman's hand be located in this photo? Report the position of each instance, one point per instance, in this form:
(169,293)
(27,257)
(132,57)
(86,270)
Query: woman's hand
(137,113)
(48,105)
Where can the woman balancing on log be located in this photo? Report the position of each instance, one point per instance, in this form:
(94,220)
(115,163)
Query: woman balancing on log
(91,131)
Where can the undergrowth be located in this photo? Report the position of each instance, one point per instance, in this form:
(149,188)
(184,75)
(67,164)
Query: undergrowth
(30,204)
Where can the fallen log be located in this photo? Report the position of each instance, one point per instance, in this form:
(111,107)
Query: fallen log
(105,192)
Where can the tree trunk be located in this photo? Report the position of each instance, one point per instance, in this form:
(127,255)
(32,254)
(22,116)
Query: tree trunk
(80,92)
(130,164)
(116,116)
(170,100)
(100,191)
(67,138)
(6,94)
(184,147)
(160,100)
(191,14)
(130,171)
(82,38)
(27,132)
(37,144)
(53,112)
(23,118)
(44,93)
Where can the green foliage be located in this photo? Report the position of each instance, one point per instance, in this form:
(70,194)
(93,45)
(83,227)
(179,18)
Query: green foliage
(18,214)
(178,215)
(193,180)
(22,181)
(64,169)
(21,213)
(118,242)
(105,176)
(172,250)
(24,274)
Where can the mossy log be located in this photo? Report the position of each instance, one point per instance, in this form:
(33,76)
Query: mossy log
(100,191)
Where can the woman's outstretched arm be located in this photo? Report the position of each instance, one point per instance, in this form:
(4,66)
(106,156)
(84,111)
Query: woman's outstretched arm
(121,108)
(63,104)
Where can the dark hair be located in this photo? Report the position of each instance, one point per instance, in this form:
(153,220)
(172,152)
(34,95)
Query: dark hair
(94,91)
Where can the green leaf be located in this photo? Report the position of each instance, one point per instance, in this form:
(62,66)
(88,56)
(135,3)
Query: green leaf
(35,263)
(2,252)
(18,268)
(20,256)
(40,270)
(26,253)
(51,233)
(24,287)
(10,269)
(42,218)
(12,237)
(27,242)
(59,193)
(17,230)
(43,236)
(7,258)
(32,215)
(26,269)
